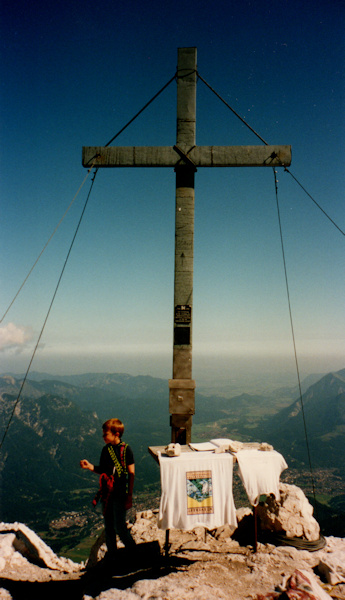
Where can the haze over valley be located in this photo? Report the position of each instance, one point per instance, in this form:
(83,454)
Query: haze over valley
(58,421)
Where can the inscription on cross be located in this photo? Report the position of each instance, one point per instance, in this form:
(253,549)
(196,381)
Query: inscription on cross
(185,157)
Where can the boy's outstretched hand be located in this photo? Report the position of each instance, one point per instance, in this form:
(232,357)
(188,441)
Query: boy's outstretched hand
(85,464)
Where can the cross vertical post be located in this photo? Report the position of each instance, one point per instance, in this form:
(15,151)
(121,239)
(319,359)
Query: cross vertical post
(185,157)
(182,386)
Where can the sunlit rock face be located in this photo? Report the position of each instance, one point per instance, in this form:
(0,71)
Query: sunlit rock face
(292,515)
(200,565)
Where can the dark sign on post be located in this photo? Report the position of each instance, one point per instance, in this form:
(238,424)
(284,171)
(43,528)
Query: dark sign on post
(183,314)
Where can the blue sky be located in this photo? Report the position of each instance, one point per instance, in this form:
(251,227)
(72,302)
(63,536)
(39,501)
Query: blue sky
(74,74)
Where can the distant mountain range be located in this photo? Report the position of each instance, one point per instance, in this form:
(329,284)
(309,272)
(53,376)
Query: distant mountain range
(324,419)
(58,421)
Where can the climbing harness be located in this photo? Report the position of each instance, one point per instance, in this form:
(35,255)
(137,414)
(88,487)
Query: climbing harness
(120,466)
(107,482)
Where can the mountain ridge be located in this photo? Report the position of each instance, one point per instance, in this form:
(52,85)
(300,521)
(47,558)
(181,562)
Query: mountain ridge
(322,416)
(58,423)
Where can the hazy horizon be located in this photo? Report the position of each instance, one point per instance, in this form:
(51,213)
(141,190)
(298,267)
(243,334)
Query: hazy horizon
(75,76)
(217,373)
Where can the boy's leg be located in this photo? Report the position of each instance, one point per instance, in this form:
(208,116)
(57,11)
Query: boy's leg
(119,523)
(110,532)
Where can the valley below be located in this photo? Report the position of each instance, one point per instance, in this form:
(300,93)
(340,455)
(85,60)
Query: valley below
(58,421)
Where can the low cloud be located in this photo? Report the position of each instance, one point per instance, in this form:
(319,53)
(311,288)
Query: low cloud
(13,337)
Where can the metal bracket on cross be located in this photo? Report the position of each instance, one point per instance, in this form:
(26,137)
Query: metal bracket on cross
(185,157)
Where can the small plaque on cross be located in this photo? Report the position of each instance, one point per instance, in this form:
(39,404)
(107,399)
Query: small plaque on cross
(183,314)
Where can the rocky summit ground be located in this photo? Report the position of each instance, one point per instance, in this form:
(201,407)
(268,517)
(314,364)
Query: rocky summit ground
(199,566)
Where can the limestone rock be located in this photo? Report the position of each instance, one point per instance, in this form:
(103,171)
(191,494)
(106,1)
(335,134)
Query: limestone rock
(332,563)
(199,567)
(98,551)
(19,541)
(292,515)
(243,512)
(225,532)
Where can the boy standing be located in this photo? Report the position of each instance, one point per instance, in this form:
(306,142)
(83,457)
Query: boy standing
(117,470)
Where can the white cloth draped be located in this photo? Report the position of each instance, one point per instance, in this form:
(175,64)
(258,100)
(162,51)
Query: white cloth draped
(260,472)
(196,491)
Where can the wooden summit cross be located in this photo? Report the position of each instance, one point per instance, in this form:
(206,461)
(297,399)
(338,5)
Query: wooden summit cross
(185,157)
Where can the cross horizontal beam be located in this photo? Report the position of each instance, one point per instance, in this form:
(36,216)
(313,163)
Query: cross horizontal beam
(185,157)
(199,156)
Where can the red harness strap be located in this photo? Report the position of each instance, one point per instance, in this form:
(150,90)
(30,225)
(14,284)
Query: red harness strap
(106,482)
(106,486)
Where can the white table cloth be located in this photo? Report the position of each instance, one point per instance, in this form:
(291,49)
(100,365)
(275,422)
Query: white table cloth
(196,491)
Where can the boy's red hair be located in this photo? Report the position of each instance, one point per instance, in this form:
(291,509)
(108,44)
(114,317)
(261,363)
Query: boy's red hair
(115,426)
